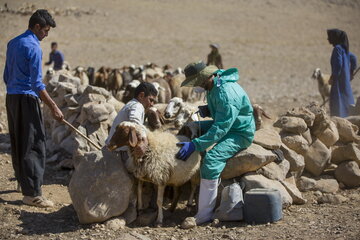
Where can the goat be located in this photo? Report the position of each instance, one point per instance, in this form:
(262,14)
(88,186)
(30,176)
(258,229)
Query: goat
(323,84)
(156,162)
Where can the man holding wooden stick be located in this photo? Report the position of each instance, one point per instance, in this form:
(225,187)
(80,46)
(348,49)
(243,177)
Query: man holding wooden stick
(23,80)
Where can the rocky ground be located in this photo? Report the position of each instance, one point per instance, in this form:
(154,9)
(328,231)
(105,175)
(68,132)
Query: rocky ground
(275,44)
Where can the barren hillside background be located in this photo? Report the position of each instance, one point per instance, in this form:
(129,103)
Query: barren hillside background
(275,44)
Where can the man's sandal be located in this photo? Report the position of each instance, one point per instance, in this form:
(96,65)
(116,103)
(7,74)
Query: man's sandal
(38,201)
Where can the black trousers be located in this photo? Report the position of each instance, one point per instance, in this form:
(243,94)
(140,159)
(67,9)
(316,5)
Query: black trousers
(27,136)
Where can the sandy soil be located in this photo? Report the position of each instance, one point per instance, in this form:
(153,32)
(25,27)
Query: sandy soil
(275,44)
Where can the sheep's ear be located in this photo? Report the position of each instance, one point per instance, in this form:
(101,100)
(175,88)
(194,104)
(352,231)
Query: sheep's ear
(132,138)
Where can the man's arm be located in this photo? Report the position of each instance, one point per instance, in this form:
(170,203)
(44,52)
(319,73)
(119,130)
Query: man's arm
(37,85)
(50,60)
(55,111)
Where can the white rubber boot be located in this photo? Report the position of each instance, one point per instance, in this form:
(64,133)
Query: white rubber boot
(207,200)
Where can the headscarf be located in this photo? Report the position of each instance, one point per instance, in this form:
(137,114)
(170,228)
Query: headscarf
(336,36)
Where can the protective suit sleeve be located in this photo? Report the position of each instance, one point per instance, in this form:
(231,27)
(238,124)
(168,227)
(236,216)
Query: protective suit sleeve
(224,117)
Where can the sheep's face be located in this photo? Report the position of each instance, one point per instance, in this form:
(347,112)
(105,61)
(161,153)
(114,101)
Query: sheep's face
(316,73)
(155,118)
(123,136)
(173,107)
(184,116)
(126,134)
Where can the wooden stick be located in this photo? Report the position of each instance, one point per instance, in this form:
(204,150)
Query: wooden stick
(81,134)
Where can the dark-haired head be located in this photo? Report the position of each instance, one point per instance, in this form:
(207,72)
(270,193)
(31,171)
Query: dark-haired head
(147,88)
(41,17)
(146,94)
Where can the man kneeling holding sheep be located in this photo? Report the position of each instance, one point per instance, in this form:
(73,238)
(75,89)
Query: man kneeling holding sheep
(231,130)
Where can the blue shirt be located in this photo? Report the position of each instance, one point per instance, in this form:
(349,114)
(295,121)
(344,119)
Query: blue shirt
(23,72)
(58,58)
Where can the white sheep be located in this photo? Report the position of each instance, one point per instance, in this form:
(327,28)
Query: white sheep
(155,162)
(323,84)
(181,111)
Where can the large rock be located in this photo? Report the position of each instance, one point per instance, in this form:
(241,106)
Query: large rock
(348,173)
(294,192)
(354,119)
(275,171)
(297,162)
(91,97)
(291,124)
(95,112)
(316,158)
(295,142)
(327,185)
(347,130)
(116,103)
(100,187)
(252,180)
(330,135)
(97,90)
(248,160)
(346,152)
(69,79)
(306,184)
(267,138)
(321,121)
(303,113)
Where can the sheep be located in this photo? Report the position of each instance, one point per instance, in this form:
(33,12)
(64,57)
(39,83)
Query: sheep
(156,162)
(80,72)
(115,81)
(130,90)
(323,84)
(164,91)
(154,118)
(181,111)
(127,77)
(177,90)
(102,76)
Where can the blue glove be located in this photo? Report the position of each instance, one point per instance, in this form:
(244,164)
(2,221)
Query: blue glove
(186,150)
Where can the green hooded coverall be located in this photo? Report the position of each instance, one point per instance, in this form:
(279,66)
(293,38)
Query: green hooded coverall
(233,126)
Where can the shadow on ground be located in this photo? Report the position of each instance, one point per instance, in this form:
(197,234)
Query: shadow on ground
(61,221)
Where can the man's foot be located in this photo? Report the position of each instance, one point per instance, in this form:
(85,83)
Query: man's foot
(189,222)
(38,201)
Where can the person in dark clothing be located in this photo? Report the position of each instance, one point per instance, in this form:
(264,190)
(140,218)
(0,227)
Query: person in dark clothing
(214,57)
(24,87)
(55,56)
(343,65)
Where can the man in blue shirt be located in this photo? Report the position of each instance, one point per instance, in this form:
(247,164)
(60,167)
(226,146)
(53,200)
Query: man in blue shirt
(23,80)
(55,56)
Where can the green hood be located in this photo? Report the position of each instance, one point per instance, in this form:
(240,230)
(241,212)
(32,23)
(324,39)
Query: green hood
(229,75)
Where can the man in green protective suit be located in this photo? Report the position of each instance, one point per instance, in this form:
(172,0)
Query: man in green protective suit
(231,130)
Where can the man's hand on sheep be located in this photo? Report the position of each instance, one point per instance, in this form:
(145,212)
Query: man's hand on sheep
(186,150)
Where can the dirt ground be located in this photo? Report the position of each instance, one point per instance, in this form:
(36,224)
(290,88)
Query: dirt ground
(275,44)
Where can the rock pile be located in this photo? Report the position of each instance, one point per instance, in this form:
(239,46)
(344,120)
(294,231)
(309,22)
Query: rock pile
(88,108)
